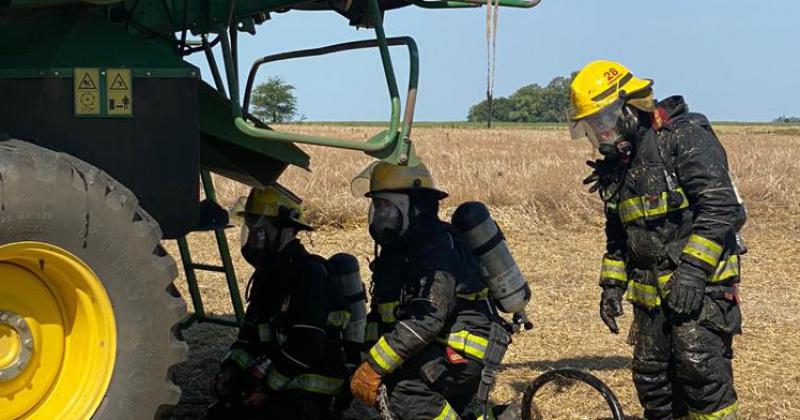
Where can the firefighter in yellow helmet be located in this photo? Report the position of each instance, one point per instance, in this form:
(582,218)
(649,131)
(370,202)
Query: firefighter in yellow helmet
(288,361)
(672,217)
(430,328)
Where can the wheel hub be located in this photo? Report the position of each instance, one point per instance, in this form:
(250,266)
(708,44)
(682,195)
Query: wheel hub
(16,345)
(57,334)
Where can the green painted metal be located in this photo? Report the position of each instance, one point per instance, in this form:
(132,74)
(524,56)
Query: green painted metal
(386,145)
(401,152)
(215,122)
(227,268)
(58,42)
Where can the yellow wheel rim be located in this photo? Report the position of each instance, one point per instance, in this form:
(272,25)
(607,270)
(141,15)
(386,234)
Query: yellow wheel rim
(57,334)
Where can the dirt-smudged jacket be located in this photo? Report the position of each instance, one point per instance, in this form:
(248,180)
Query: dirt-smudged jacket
(440,297)
(676,204)
(295,318)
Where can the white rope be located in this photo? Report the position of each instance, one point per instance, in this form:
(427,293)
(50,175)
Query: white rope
(492,12)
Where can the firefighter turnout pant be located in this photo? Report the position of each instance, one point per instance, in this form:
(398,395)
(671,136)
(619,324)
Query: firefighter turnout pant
(284,405)
(432,385)
(682,367)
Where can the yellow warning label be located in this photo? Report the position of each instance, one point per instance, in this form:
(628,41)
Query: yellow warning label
(87,91)
(119,95)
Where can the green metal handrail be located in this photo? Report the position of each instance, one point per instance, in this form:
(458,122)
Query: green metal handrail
(408,115)
(385,145)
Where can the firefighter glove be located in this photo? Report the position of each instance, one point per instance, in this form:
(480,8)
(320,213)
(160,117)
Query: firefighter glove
(605,172)
(365,384)
(226,385)
(686,288)
(611,306)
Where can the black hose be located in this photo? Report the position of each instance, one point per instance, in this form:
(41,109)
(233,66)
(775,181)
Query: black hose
(581,376)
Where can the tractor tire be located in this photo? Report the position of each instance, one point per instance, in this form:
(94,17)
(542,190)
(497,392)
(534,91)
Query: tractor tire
(66,216)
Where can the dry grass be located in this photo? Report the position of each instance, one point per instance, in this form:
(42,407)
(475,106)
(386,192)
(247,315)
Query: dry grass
(531,180)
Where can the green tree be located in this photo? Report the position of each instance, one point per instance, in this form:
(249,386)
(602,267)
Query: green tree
(479,112)
(274,101)
(785,119)
(531,103)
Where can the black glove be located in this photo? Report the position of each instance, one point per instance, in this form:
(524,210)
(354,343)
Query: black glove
(611,306)
(227,384)
(686,288)
(605,172)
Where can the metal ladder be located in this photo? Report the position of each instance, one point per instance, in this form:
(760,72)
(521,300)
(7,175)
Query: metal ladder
(226,268)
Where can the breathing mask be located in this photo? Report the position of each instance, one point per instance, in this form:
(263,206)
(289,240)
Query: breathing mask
(388,216)
(262,235)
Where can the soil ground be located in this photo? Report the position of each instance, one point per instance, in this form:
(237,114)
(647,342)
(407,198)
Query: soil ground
(531,179)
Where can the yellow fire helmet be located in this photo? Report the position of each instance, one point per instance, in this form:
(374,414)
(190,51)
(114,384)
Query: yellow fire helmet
(381,176)
(274,202)
(600,83)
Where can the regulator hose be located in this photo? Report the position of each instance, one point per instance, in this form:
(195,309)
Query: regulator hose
(581,376)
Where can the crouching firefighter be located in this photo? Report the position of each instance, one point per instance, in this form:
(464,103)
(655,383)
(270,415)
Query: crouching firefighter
(288,361)
(672,222)
(433,328)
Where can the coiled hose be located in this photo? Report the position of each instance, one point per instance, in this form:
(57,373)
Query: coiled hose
(585,377)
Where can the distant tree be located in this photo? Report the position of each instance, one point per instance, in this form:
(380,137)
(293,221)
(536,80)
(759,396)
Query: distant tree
(480,111)
(785,119)
(274,101)
(531,103)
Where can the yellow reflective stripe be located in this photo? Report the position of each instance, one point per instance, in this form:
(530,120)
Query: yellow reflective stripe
(662,280)
(465,342)
(275,380)
(726,269)
(728,413)
(638,207)
(703,249)
(613,269)
(631,209)
(481,294)
(644,294)
(447,413)
(385,356)
(387,311)
(316,383)
(264,332)
(339,319)
(240,357)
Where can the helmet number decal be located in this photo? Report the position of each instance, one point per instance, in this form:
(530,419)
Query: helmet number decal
(611,74)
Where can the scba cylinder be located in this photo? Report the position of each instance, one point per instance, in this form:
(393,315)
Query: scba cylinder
(508,286)
(348,278)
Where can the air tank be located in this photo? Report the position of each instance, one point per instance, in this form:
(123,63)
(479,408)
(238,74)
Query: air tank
(508,287)
(348,278)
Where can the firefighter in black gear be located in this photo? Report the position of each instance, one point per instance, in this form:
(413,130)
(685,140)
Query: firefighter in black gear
(428,311)
(672,221)
(288,361)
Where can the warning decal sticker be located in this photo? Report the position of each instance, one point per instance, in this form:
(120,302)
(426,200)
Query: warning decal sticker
(119,96)
(87,92)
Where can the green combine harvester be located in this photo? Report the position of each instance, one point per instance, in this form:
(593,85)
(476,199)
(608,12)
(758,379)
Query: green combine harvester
(107,135)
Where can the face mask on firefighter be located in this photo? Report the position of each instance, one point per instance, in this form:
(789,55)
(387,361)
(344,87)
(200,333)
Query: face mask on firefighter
(388,217)
(261,234)
(601,128)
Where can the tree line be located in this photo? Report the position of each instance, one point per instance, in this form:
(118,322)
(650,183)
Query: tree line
(531,103)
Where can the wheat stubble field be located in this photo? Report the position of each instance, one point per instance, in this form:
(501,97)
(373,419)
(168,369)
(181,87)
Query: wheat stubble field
(531,179)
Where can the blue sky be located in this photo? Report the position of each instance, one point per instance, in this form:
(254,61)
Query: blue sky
(734,61)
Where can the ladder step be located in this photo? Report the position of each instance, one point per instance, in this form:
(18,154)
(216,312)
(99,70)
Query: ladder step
(207,267)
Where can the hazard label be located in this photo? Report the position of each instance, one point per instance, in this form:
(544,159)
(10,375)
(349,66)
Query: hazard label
(119,95)
(87,91)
